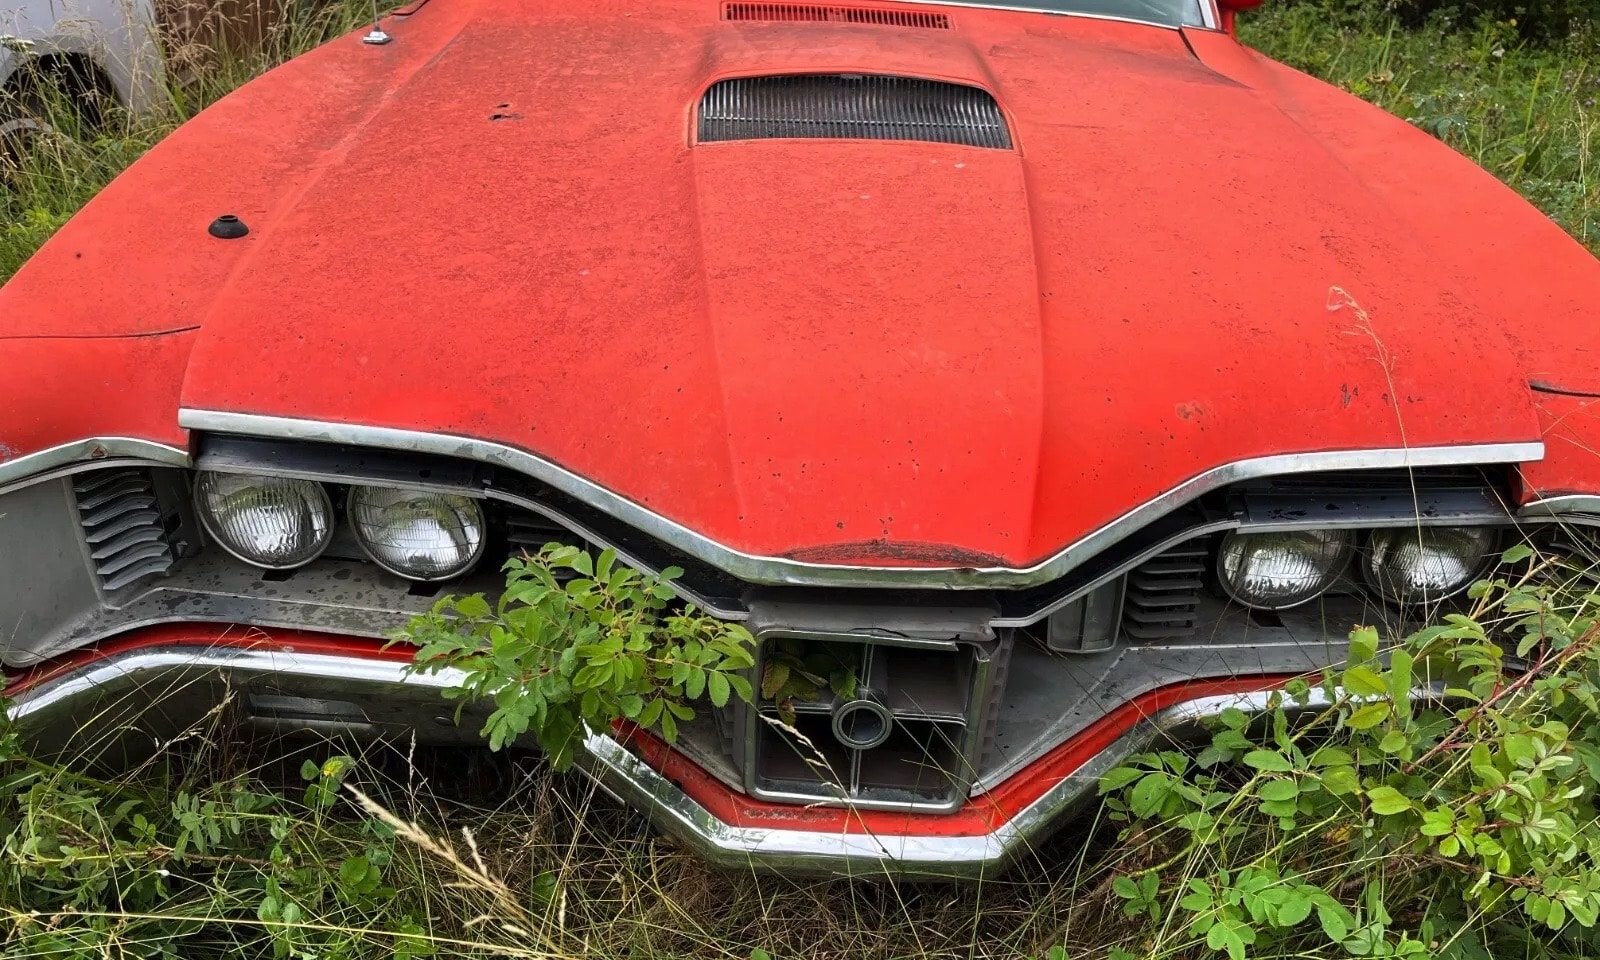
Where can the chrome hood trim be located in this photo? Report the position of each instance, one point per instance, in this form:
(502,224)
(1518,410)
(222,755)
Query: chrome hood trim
(83,454)
(784,571)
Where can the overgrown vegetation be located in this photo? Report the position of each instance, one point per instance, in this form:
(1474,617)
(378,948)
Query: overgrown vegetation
(1433,797)
(1439,801)
(1360,819)
(577,640)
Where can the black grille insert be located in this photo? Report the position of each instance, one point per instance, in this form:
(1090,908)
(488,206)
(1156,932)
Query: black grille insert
(816,13)
(124,525)
(1163,598)
(851,107)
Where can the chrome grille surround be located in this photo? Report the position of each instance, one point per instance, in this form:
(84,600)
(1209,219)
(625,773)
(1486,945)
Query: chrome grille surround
(851,107)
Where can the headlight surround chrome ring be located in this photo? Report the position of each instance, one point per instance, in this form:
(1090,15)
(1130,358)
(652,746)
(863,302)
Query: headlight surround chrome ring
(1323,555)
(455,523)
(271,495)
(1452,558)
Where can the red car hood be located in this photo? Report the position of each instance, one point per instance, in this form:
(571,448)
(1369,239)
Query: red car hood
(830,350)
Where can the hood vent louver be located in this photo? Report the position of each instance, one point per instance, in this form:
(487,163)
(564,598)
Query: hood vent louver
(814,13)
(851,107)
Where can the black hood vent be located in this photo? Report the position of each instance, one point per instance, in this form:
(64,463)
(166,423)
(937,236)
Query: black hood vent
(814,13)
(851,107)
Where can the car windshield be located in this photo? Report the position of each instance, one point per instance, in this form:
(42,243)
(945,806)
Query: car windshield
(1172,13)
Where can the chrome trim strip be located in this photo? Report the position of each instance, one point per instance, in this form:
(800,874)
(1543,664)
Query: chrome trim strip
(902,855)
(50,705)
(782,571)
(1564,506)
(978,5)
(87,452)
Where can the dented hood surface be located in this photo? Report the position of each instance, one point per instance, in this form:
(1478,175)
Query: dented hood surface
(499,226)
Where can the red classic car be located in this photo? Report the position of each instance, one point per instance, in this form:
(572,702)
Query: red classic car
(1065,367)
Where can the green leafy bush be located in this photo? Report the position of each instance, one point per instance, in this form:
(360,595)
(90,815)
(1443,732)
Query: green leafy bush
(1428,800)
(559,652)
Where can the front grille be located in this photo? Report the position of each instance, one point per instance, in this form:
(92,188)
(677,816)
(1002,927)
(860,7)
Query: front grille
(528,532)
(937,704)
(1163,594)
(125,526)
(851,107)
(813,13)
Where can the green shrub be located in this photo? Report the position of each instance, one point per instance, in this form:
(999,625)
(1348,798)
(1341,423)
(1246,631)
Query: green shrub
(1439,800)
(576,641)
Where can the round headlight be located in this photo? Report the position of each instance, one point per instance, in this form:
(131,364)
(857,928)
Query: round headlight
(272,522)
(418,534)
(1275,571)
(1409,566)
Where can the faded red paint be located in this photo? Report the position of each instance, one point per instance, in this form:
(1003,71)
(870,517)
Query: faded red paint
(847,351)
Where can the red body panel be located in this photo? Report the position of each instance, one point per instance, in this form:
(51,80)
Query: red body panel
(837,351)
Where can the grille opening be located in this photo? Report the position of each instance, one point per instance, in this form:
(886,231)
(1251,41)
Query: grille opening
(129,527)
(851,107)
(1163,594)
(817,13)
(912,743)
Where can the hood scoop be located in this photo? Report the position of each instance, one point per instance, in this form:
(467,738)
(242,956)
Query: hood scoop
(851,107)
(813,13)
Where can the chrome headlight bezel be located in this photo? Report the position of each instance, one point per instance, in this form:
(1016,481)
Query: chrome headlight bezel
(1339,548)
(1377,549)
(316,496)
(354,516)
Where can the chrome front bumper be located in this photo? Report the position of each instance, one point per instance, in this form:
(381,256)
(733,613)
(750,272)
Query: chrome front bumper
(154,684)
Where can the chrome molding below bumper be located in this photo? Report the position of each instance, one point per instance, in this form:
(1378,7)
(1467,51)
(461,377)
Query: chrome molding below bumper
(83,696)
(783,571)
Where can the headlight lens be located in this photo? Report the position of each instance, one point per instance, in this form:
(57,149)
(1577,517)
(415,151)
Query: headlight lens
(1275,571)
(271,522)
(418,534)
(1410,566)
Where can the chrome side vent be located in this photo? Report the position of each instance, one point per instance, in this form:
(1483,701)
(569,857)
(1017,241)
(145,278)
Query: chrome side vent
(1163,594)
(123,522)
(851,107)
(814,13)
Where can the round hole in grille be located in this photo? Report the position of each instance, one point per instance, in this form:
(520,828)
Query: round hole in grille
(862,724)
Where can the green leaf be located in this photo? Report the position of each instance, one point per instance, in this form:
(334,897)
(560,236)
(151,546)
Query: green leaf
(1516,553)
(1363,644)
(1341,781)
(1369,716)
(1279,790)
(1268,760)
(717,686)
(473,606)
(1364,682)
(1118,778)
(1149,795)
(1387,801)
